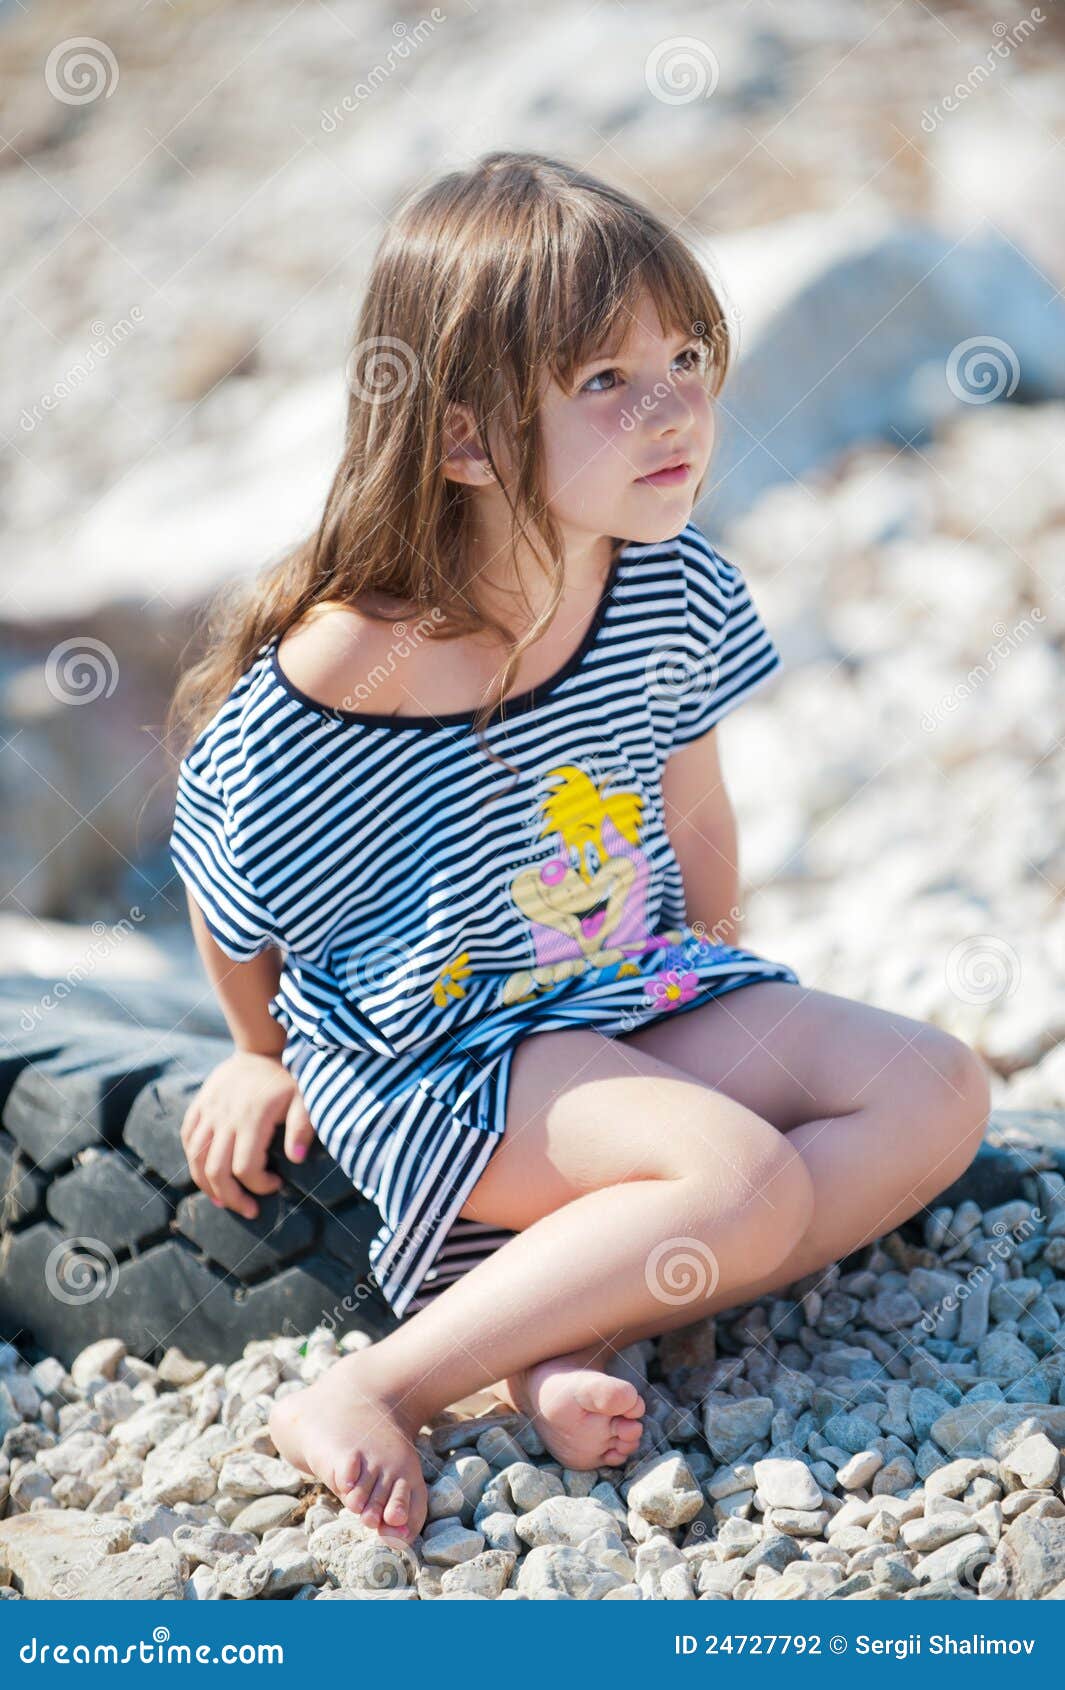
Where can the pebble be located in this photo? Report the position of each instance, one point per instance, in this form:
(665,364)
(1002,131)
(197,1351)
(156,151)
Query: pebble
(454,1543)
(1034,1462)
(566,1571)
(100,1360)
(259,1475)
(814,1477)
(563,1520)
(786,1484)
(529,1485)
(858,1472)
(666,1493)
(731,1428)
(486,1574)
(1002,1357)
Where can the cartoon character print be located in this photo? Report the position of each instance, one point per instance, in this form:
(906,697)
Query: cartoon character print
(586,904)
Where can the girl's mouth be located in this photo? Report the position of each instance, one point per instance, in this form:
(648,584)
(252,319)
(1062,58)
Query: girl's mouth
(666,477)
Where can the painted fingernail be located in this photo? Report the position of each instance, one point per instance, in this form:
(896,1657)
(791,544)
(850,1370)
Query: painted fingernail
(298,1153)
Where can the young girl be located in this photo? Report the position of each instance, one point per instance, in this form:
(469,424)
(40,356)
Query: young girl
(462,866)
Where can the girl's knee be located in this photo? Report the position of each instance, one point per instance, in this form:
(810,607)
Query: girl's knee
(953,1103)
(957,1083)
(790,1191)
(774,1211)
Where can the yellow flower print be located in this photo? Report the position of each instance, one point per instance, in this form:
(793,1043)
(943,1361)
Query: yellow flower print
(447,985)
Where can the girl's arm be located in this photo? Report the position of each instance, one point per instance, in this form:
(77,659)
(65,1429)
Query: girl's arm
(243,988)
(702,830)
(230,1124)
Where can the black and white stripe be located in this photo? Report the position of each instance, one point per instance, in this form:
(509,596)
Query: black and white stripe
(376,851)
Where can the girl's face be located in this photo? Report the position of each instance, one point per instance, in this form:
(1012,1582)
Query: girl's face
(626,417)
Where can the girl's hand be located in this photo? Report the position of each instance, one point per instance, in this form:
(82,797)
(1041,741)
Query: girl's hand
(230,1124)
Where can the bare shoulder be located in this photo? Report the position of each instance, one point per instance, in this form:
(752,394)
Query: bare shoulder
(339,656)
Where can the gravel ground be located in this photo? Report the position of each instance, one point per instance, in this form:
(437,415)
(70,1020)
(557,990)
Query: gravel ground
(892,1431)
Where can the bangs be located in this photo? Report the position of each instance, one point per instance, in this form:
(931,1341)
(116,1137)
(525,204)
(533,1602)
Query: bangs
(603,271)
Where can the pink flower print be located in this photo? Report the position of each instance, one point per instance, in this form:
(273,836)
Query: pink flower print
(669,988)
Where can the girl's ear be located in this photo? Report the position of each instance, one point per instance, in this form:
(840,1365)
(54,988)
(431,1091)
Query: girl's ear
(464,459)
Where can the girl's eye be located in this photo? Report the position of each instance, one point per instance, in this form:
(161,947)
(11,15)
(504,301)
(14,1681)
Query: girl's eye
(694,357)
(599,375)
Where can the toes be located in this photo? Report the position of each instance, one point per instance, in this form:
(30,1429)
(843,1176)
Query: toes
(635,1406)
(359,1494)
(418,1507)
(374,1505)
(396,1511)
(346,1475)
(626,1431)
(600,1393)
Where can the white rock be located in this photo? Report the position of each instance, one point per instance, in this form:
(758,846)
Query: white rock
(564,1520)
(260,1475)
(97,1361)
(859,1471)
(787,1484)
(186,1478)
(666,1492)
(485,1574)
(1034,1462)
(452,1544)
(564,1570)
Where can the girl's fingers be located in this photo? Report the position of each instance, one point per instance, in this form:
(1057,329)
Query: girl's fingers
(191,1120)
(195,1155)
(222,1184)
(249,1165)
(299,1134)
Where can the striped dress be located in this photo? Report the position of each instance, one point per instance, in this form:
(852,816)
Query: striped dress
(433,908)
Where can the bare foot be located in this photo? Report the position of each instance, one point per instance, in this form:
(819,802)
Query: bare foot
(346,1431)
(585,1417)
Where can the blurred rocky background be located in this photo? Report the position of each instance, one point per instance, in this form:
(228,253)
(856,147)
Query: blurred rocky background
(191,192)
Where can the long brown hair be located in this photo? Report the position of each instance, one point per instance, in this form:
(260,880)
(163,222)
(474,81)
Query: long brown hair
(485,281)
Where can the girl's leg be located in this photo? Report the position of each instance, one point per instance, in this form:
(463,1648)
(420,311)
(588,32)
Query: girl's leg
(885,1111)
(619,1172)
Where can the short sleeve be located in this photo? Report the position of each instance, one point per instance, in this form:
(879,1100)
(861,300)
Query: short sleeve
(728,651)
(204,852)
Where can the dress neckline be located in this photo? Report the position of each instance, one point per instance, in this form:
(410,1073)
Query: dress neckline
(517,704)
